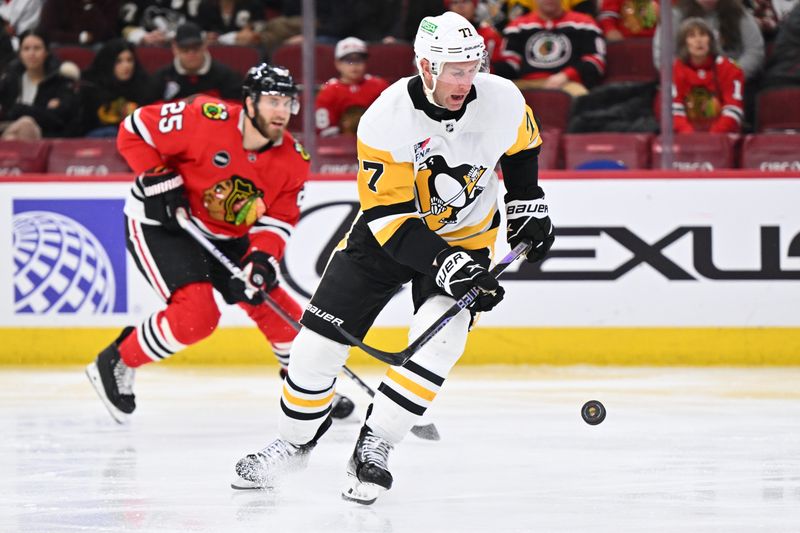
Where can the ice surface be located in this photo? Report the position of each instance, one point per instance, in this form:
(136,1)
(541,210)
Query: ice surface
(682,449)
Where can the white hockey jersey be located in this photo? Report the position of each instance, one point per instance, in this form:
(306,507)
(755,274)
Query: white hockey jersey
(413,165)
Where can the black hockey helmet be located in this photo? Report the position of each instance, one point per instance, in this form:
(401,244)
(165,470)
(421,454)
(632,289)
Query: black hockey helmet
(267,79)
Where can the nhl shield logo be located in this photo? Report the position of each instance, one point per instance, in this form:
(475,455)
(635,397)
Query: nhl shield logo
(221,159)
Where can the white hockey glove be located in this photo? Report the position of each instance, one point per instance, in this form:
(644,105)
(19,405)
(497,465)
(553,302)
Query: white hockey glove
(457,273)
(528,218)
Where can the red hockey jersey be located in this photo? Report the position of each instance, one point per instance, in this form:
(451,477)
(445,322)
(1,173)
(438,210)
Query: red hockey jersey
(335,98)
(633,18)
(708,97)
(201,138)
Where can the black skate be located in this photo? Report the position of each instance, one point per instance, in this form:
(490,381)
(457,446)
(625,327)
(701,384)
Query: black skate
(262,469)
(367,469)
(113,380)
(342,406)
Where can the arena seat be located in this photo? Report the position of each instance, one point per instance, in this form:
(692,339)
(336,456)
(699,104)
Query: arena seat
(777,109)
(630,60)
(551,107)
(772,151)
(153,58)
(391,61)
(337,155)
(238,58)
(606,151)
(700,151)
(20,157)
(550,154)
(85,157)
(79,55)
(291,57)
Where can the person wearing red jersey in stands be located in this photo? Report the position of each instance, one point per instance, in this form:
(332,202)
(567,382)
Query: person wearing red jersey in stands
(707,86)
(341,101)
(240,175)
(625,19)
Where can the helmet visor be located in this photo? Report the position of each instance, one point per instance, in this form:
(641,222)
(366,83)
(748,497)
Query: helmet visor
(460,73)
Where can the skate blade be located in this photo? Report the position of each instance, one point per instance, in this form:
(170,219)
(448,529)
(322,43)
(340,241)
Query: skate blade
(94,378)
(363,493)
(243,484)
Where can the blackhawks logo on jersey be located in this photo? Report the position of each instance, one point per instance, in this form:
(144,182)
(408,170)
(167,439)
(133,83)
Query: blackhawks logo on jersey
(215,111)
(443,191)
(226,198)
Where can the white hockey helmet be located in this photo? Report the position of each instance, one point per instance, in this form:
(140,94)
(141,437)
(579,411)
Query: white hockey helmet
(447,38)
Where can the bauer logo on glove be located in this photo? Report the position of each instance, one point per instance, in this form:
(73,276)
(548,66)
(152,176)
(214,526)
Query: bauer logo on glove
(528,218)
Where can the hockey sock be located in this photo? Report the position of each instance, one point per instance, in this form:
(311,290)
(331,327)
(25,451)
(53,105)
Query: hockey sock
(191,316)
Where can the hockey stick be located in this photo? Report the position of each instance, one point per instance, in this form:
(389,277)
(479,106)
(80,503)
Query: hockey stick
(400,358)
(427,431)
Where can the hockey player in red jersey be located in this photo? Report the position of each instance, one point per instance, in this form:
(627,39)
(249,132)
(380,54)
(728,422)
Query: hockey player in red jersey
(707,86)
(240,175)
(341,101)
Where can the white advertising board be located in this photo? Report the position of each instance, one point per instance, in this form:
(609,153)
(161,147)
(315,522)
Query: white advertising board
(629,252)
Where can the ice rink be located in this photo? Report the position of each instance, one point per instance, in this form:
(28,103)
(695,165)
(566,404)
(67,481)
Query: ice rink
(682,449)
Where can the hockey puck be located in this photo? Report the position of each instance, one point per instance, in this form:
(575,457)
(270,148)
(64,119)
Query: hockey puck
(593,412)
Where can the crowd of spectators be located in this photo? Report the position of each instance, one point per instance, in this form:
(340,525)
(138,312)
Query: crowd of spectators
(721,53)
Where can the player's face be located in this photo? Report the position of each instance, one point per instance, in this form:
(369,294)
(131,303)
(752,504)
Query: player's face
(698,44)
(123,67)
(549,8)
(352,68)
(32,52)
(273,114)
(454,84)
(191,58)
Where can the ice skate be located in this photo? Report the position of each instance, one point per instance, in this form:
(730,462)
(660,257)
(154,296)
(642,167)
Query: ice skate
(113,380)
(368,471)
(342,406)
(262,469)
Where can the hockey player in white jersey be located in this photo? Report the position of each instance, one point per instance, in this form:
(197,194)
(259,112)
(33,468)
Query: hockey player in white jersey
(427,149)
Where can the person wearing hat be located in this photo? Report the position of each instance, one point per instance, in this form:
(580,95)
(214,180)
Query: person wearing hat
(194,71)
(341,101)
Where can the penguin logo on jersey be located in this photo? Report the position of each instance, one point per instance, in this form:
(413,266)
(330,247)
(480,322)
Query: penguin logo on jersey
(444,190)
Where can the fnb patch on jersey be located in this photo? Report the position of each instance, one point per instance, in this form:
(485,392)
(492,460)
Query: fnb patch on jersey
(215,111)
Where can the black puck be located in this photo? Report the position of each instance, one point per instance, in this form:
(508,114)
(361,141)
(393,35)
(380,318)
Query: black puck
(593,412)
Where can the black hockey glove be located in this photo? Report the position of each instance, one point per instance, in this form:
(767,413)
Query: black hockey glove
(163,194)
(457,273)
(528,219)
(262,272)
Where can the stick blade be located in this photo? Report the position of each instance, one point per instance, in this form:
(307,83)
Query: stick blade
(426,432)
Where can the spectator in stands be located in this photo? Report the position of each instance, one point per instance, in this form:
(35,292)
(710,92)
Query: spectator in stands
(20,15)
(193,70)
(231,21)
(369,20)
(154,22)
(553,49)
(113,86)
(83,22)
(624,19)
(284,28)
(7,54)
(766,18)
(35,99)
(707,86)
(739,36)
(492,38)
(783,67)
(341,102)
(503,12)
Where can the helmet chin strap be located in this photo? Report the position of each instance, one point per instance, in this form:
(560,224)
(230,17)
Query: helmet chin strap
(434,78)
